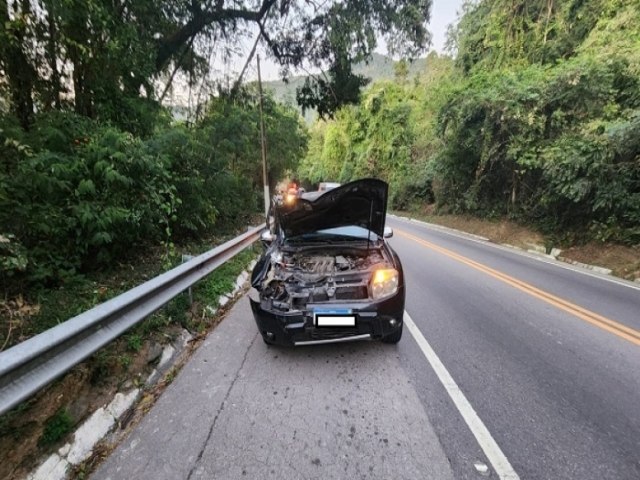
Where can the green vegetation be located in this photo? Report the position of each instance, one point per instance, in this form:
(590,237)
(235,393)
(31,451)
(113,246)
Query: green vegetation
(56,427)
(134,342)
(207,292)
(536,118)
(75,195)
(378,67)
(196,317)
(91,167)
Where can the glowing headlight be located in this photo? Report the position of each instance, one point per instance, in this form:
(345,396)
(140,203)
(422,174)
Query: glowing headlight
(384,283)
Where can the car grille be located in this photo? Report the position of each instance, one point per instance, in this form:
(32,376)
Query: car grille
(325,333)
(352,293)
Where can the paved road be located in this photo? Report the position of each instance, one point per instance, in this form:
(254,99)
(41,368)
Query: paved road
(242,410)
(560,396)
(522,365)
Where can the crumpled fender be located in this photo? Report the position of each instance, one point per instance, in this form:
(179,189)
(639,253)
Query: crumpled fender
(262,267)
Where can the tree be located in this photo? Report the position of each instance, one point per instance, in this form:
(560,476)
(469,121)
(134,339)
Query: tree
(401,71)
(331,36)
(499,33)
(15,64)
(110,53)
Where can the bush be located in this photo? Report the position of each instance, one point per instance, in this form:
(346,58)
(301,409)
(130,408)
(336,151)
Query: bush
(56,427)
(209,194)
(80,205)
(77,194)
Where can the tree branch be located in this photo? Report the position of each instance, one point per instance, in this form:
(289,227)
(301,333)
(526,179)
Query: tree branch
(237,83)
(170,45)
(175,70)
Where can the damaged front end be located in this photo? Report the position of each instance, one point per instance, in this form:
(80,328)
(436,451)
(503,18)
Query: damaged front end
(327,273)
(292,286)
(293,280)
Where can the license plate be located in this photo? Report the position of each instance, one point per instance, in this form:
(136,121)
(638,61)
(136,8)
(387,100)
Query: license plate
(334,318)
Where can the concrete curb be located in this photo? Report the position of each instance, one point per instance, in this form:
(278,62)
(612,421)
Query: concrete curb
(595,268)
(441,227)
(104,421)
(86,438)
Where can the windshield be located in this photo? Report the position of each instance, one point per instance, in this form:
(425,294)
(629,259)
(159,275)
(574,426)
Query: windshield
(337,234)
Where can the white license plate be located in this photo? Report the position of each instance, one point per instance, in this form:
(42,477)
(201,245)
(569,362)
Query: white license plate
(337,318)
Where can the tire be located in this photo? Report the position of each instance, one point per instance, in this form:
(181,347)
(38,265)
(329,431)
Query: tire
(267,342)
(393,337)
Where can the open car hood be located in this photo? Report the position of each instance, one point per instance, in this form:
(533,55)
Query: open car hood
(362,203)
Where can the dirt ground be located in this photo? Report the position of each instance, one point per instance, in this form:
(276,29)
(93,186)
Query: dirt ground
(624,261)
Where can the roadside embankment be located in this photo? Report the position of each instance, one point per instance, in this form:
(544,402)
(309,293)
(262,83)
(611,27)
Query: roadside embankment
(619,260)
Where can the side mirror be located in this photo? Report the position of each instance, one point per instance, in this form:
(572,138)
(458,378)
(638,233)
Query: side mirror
(266,238)
(388,232)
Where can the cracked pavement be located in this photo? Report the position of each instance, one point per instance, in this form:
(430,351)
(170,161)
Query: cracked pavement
(558,394)
(241,409)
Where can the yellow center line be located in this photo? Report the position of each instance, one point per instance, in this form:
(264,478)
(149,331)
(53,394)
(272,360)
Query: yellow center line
(593,318)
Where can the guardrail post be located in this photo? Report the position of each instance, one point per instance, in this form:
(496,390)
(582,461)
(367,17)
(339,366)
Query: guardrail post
(186,258)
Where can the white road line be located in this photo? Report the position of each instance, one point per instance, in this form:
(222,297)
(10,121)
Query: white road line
(522,253)
(489,446)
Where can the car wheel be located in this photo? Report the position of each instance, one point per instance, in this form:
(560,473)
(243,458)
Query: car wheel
(267,342)
(393,337)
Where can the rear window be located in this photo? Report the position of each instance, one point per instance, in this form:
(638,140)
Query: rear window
(327,186)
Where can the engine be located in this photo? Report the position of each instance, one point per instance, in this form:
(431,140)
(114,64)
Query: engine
(332,264)
(295,279)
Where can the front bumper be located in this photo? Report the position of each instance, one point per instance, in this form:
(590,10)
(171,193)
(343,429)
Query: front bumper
(373,320)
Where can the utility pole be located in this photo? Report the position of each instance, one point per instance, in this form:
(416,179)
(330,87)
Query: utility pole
(263,142)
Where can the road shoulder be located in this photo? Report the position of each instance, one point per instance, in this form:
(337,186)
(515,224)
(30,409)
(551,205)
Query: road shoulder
(240,409)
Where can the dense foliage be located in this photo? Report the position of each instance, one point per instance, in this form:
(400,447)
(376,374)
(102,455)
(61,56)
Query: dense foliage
(91,165)
(76,193)
(536,117)
(104,58)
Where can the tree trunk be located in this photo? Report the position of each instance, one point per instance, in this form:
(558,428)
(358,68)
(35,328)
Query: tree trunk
(52,58)
(81,91)
(20,73)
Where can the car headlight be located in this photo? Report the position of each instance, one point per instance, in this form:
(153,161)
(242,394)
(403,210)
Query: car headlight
(384,283)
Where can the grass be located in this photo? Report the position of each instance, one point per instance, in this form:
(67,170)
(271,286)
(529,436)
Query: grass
(56,427)
(102,364)
(134,342)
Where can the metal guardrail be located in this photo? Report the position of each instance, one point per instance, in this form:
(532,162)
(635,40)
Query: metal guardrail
(32,364)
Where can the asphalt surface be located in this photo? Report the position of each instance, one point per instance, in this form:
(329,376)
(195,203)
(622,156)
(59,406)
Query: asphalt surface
(545,355)
(560,396)
(242,410)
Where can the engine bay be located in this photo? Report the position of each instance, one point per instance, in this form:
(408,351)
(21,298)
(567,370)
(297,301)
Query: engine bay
(294,279)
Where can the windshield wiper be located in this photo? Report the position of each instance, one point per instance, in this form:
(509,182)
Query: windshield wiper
(298,240)
(312,238)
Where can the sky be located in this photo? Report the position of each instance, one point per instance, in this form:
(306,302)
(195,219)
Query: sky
(443,12)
